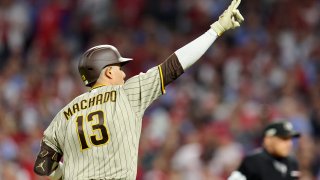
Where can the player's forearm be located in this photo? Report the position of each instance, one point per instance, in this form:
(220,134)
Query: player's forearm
(190,53)
(184,57)
(229,19)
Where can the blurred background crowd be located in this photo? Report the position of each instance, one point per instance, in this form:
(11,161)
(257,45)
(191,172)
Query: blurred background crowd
(209,118)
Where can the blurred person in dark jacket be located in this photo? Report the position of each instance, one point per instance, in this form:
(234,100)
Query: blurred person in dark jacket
(273,160)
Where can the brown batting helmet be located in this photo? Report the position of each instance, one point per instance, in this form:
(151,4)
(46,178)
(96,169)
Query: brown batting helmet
(97,58)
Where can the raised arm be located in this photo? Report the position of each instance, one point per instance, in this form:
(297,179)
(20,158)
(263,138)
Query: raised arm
(184,57)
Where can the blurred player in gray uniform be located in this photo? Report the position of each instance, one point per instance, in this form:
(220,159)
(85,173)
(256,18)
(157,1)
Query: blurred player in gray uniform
(98,132)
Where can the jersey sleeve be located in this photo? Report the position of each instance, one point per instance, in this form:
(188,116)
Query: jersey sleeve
(53,133)
(144,88)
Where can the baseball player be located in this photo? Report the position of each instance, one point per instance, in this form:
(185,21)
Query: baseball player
(98,132)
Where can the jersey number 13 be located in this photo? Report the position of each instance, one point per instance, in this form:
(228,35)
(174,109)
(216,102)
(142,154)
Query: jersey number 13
(98,127)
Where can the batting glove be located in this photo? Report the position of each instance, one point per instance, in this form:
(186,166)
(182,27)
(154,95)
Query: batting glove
(229,19)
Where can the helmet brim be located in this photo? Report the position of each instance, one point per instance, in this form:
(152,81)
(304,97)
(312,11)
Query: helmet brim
(124,61)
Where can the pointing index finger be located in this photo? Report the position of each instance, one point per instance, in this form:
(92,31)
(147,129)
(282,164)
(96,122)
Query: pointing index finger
(235,4)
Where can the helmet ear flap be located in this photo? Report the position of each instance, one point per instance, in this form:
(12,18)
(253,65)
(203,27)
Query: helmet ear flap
(88,76)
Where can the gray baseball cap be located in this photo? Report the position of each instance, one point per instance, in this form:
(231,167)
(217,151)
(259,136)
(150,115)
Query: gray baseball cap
(97,58)
(281,129)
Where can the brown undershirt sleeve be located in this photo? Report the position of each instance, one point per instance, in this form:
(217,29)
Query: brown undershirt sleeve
(171,69)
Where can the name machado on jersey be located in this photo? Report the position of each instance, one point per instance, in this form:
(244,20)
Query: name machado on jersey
(87,103)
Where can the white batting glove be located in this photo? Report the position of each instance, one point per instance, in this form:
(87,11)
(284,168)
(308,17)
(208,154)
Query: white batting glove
(229,19)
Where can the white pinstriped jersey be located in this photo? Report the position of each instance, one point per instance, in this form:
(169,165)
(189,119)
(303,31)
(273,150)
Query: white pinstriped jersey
(99,131)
